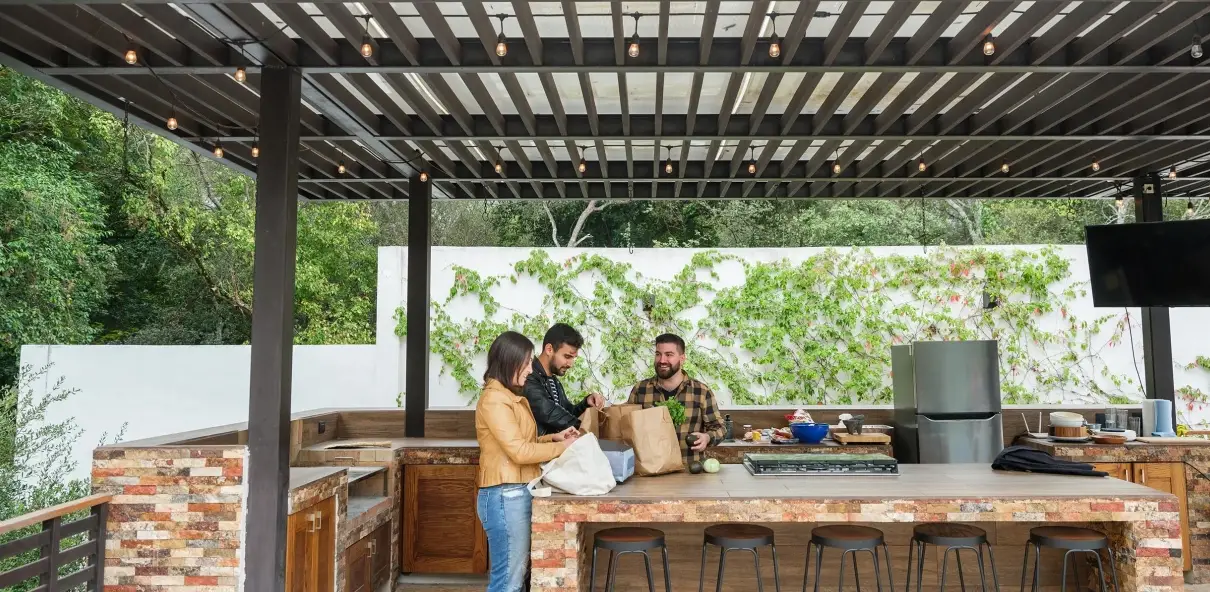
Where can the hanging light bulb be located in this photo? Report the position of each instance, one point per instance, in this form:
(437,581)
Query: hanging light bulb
(501,40)
(989,45)
(340,168)
(367,49)
(424,176)
(218,149)
(255,151)
(1189,209)
(583,168)
(1117,202)
(499,167)
(1195,48)
(241,74)
(1172,173)
(920,166)
(132,57)
(668,167)
(1004,168)
(836,168)
(633,49)
(171,124)
(774,41)
(1096,165)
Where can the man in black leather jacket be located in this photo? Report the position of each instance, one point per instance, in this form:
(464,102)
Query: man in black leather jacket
(552,410)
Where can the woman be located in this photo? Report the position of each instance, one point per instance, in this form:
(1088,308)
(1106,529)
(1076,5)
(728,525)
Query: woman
(509,455)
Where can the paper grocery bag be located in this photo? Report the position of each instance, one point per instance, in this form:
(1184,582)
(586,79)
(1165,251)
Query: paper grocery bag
(611,420)
(656,446)
(590,422)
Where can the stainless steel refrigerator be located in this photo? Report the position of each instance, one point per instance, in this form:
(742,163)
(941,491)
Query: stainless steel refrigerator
(947,402)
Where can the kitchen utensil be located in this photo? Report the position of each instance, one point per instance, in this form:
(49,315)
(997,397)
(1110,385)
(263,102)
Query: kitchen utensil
(809,433)
(1148,417)
(1123,418)
(1184,441)
(1099,418)
(1071,440)
(1111,421)
(1094,428)
(1109,439)
(853,426)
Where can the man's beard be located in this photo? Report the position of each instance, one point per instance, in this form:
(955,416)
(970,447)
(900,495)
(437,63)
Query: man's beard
(557,371)
(666,372)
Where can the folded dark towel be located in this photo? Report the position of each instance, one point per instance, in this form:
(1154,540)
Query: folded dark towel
(1026,459)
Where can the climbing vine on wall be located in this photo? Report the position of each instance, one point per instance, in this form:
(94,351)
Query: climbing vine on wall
(817,331)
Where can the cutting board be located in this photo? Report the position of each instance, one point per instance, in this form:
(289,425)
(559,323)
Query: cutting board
(846,438)
(1181,441)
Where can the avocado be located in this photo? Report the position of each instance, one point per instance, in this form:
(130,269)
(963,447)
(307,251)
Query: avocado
(695,467)
(691,439)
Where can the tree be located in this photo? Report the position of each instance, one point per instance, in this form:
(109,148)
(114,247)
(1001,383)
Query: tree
(575,238)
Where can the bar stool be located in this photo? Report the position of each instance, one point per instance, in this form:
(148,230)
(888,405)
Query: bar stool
(624,541)
(848,538)
(738,537)
(953,537)
(1072,540)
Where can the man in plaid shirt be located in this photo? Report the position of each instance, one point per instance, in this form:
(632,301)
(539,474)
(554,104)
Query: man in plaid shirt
(701,412)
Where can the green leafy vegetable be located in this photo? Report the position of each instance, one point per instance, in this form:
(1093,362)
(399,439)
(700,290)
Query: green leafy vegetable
(675,409)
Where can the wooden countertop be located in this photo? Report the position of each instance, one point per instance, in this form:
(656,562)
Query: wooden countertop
(926,482)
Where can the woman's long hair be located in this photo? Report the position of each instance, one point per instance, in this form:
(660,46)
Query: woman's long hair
(506,356)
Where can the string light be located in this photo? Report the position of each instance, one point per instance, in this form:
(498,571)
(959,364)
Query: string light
(340,168)
(241,74)
(774,41)
(1117,202)
(835,164)
(424,176)
(583,168)
(1172,173)
(501,40)
(1195,48)
(668,161)
(218,149)
(499,167)
(1096,165)
(172,123)
(1004,168)
(989,45)
(920,166)
(132,57)
(633,49)
(367,49)
(751,163)
(255,151)
(1189,209)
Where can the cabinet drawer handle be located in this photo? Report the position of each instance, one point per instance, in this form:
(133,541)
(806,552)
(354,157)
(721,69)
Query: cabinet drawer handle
(311,520)
(1143,475)
(373,551)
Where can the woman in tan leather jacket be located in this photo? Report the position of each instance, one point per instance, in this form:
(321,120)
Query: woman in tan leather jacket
(509,455)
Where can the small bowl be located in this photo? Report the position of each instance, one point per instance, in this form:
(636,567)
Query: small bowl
(853,426)
(809,433)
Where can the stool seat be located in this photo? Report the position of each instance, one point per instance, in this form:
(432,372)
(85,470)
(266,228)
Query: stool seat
(629,540)
(739,536)
(1068,537)
(947,534)
(846,536)
(848,539)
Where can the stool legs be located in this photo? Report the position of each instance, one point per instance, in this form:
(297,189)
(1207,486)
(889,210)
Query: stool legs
(612,570)
(667,574)
(945,556)
(1069,555)
(874,557)
(722,561)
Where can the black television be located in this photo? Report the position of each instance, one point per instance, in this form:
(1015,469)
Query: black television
(1149,263)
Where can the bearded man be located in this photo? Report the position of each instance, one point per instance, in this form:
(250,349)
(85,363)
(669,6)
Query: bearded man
(552,410)
(670,382)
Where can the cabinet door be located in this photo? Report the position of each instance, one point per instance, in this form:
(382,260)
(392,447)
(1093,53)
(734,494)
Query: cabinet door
(356,568)
(1115,470)
(441,530)
(325,545)
(380,556)
(299,552)
(1169,477)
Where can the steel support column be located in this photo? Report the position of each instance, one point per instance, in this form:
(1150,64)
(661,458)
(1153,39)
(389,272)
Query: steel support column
(268,473)
(416,379)
(1157,330)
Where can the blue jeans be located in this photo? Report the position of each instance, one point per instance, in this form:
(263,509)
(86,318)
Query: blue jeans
(505,512)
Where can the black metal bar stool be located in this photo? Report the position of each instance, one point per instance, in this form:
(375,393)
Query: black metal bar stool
(1072,540)
(952,537)
(848,538)
(738,537)
(624,541)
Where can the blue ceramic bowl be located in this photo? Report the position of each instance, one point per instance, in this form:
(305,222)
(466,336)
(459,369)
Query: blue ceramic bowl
(809,433)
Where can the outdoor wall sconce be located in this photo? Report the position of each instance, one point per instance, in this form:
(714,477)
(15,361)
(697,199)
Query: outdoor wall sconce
(648,303)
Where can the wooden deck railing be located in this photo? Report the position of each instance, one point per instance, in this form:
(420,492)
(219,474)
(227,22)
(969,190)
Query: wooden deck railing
(41,555)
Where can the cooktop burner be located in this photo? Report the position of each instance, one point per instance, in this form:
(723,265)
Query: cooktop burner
(763,465)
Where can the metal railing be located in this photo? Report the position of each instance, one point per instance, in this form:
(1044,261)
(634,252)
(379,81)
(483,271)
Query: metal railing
(41,555)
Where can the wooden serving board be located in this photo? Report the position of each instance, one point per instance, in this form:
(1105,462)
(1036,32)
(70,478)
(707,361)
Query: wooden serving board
(847,438)
(1182,441)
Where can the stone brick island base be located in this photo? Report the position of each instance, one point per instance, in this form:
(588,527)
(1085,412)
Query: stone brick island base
(1143,523)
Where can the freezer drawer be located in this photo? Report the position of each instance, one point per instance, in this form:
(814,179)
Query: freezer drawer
(960,440)
(956,377)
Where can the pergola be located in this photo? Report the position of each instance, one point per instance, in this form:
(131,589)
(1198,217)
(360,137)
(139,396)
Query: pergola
(627,100)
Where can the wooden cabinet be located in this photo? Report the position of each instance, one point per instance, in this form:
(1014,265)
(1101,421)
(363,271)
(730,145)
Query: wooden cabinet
(368,562)
(441,531)
(311,548)
(1169,477)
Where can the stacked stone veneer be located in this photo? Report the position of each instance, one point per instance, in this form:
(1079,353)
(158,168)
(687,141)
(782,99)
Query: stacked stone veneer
(176,520)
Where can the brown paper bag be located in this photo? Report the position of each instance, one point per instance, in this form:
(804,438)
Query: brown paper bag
(590,422)
(611,420)
(657,448)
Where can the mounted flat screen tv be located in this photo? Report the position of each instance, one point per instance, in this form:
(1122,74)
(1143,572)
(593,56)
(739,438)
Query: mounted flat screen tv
(1150,263)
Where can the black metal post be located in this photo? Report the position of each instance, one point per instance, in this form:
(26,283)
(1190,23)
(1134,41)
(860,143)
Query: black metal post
(268,473)
(1157,330)
(416,379)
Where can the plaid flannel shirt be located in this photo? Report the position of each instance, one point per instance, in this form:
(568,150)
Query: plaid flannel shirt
(701,411)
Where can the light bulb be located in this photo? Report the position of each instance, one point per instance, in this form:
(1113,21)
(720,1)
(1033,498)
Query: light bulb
(774,46)
(836,168)
(424,176)
(668,167)
(1004,168)
(255,151)
(752,168)
(132,57)
(989,46)
(633,50)
(367,50)
(340,168)
(1195,48)
(1172,173)
(218,150)
(241,75)
(1189,209)
(1117,203)
(501,45)
(920,166)
(583,166)
(1096,165)
(172,123)
(499,167)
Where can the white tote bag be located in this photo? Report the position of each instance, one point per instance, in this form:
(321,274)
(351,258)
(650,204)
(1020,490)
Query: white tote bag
(582,469)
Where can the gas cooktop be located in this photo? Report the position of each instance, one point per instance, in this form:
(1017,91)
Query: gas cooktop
(766,465)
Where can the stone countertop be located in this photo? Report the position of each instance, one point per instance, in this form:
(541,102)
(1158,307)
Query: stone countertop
(303,476)
(1128,452)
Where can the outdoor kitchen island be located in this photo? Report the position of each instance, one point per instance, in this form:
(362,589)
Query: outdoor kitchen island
(1143,523)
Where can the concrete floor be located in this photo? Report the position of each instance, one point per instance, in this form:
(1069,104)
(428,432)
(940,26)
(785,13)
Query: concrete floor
(479,587)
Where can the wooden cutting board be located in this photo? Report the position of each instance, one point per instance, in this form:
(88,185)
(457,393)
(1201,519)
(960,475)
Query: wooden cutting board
(1181,441)
(847,438)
